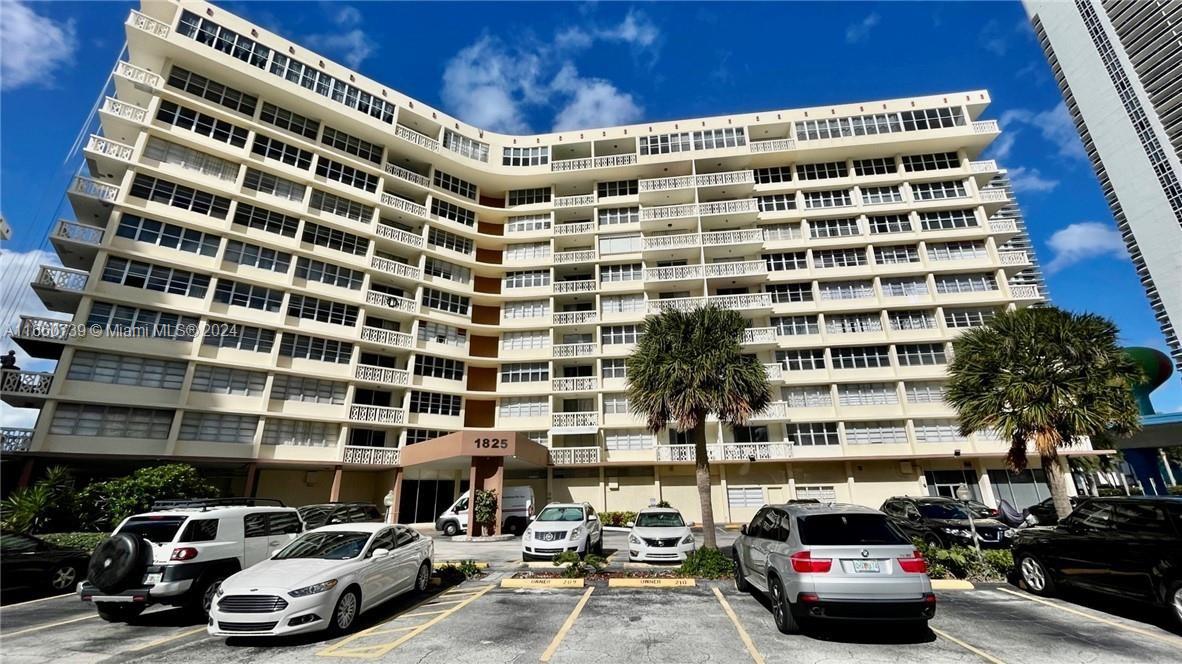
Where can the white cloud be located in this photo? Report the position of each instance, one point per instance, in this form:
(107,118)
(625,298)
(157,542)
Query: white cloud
(593,103)
(1054,125)
(992,38)
(1003,146)
(857,32)
(1031,180)
(345,38)
(486,84)
(1082,241)
(32,46)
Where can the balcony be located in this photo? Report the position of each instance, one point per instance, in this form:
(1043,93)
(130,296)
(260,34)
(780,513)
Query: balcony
(580,286)
(412,136)
(774,145)
(76,244)
(1003,227)
(25,389)
(743,206)
(584,163)
(388,338)
(376,414)
(407,175)
(673,273)
(994,196)
(358,455)
(668,212)
(92,199)
(759,336)
(743,302)
(382,375)
(575,317)
(736,269)
(576,384)
(654,185)
(986,127)
(575,228)
(574,423)
(107,157)
(124,110)
(667,242)
(148,24)
(776,410)
(775,372)
(60,288)
(577,256)
(573,456)
(1018,259)
(43,337)
(13,440)
(392,302)
(579,200)
(984,166)
(135,84)
(726,179)
(122,120)
(398,235)
(403,205)
(590,349)
(395,268)
(718,238)
(750,451)
(1025,293)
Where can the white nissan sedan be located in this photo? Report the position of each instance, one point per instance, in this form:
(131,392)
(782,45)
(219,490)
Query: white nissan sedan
(322,580)
(659,534)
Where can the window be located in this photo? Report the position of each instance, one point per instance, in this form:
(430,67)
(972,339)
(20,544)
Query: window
(925,392)
(797,260)
(342,207)
(943,220)
(615,404)
(861,357)
(266,220)
(302,433)
(240,337)
(347,175)
(256,256)
(822,492)
(526,309)
(227,380)
(617,188)
(74,419)
(450,241)
(834,228)
(889,223)
(827,199)
(624,215)
(876,166)
(627,272)
(807,359)
(179,196)
(527,279)
(615,368)
(116,369)
(439,367)
(419,435)
(937,431)
(314,348)
(535,156)
(881,195)
(171,153)
(846,290)
(454,184)
(442,334)
(784,293)
(773,174)
(167,235)
(439,268)
(525,340)
(956,251)
(328,86)
(155,277)
(744,496)
(525,372)
(965,283)
(218,427)
(832,169)
(266,183)
(874,433)
(932,118)
(628,439)
(130,321)
(371,152)
(528,223)
(808,396)
(444,301)
(620,244)
(242,294)
(853,323)
(444,210)
(325,311)
(896,254)
(823,258)
(957,318)
(273,148)
(434,403)
(930,162)
(665,143)
(777,202)
(309,390)
(912,355)
(529,196)
(619,334)
(329,273)
(812,433)
(200,530)
(326,236)
(183,79)
(200,123)
(523,406)
(207,32)
(728,137)
(934,191)
(904,287)
(464,146)
(293,122)
(914,319)
(630,303)
(867,394)
(781,232)
(795,325)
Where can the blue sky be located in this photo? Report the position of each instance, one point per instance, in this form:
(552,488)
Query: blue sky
(532,67)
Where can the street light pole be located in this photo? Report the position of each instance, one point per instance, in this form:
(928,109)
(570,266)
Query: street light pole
(963,494)
(388,501)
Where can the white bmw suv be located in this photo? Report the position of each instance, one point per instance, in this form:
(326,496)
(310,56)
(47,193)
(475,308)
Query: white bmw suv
(563,527)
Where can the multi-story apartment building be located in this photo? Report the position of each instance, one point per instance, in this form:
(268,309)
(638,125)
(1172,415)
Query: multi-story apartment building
(282,267)
(1119,66)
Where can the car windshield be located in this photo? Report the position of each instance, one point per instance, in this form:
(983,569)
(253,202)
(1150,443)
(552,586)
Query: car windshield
(659,520)
(158,529)
(942,511)
(848,529)
(332,545)
(561,514)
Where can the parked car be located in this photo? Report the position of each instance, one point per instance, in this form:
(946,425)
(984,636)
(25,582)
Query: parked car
(840,562)
(1043,514)
(32,563)
(323,580)
(517,506)
(659,534)
(980,510)
(1123,547)
(942,522)
(563,527)
(181,551)
(327,514)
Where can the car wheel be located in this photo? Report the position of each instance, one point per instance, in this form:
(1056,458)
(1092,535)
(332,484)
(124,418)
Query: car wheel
(1035,575)
(345,613)
(933,541)
(741,583)
(203,593)
(423,578)
(781,611)
(599,545)
(63,577)
(1175,599)
(451,528)
(585,549)
(118,611)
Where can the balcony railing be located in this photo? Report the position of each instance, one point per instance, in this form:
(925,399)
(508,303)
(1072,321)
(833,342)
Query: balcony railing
(666,184)
(1024,292)
(574,420)
(986,127)
(566,165)
(590,349)
(85,186)
(125,110)
(673,273)
(26,382)
(752,451)
(728,178)
(400,236)
(575,228)
(383,375)
(421,140)
(578,200)
(575,317)
(403,205)
(15,440)
(736,302)
(147,24)
(52,329)
(745,236)
(137,75)
(983,166)
(775,372)
(407,175)
(668,212)
(576,384)
(569,456)
(994,196)
(112,149)
(580,286)
(75,232)
(386,337)
(372,456)
(678,453)
(1013,257)
(736,269)
(759,335)
(774,145)
(62,278)
(1003,226)
(776,410)
(741,206)
(392,302)
(376,414)
(576,256)
(395,268)
(680,241)
(608,161)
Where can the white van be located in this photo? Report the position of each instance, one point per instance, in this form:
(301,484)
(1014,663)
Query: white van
(517,506)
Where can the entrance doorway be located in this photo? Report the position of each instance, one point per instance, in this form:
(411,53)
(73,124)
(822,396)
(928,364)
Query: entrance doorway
(423,500)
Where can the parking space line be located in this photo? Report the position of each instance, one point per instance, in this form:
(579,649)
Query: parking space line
(47,626)
(1173,641)
(570,622)
(167,639)
(973,649)
(746,638)
(34,601)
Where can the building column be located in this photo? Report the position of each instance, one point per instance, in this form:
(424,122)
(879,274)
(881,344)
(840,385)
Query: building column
(252,475)
(396,487)
(603,488)
(726,503)
(849,480)
(487,473)
(657,482)
(984,483)
(791,481)
(1068,478)
(334,494)
(549,484)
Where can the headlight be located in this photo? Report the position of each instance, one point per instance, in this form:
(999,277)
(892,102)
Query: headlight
(688,539)
(221,591)
(576,533)
(1010,533)
(314,588)
(529,533)
(633,539)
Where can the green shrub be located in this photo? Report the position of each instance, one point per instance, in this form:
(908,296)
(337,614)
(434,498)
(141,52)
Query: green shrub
(708,564)
(578,567)
(960,562)
(105,504)
(469,569)
(485,512)
(450,575)
(51,503)
(85,541)
(618,519)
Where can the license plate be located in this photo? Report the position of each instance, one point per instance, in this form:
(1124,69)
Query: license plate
(866,566)
(152,579)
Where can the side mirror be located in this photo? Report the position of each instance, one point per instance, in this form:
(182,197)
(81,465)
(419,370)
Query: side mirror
(380,553)
(631,524)
(743,529)
(533,517)
(592,517)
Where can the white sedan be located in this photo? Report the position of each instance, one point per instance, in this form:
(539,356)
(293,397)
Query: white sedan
(659,534)
(322,580)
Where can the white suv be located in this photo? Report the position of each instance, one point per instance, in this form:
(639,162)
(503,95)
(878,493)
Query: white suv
(181,551)
(563,527)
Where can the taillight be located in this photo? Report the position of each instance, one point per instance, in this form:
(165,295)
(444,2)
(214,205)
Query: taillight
(914,564)
(183,553)
(803,562)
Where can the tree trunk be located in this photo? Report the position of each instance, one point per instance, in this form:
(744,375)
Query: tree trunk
(1057,483)
(702,476)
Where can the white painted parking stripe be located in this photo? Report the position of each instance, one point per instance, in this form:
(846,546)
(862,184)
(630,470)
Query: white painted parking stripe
(973,649)
(746,638)
(167,639)
(34,601)
(38,628)
(570,622)
(1173,641)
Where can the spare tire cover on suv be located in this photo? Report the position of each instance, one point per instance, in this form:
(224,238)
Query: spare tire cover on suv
(118,562)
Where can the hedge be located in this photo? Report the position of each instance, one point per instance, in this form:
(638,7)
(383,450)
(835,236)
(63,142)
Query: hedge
(960,562)
(619,519)
(84,541)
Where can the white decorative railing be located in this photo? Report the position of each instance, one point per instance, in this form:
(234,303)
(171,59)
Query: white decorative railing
(576,384)
(125,110)
(580,286)
(407,175)
(75,232)
(576,350)
(576,256)
(578,200)
(730,177)
(62,278)
(774,145)
(113,149)
(1003,226)
(775,372)
(678,453)
(736,269)
(680,241)
(395,268)
(137,74)
(147,24)
(985,127)
(574,420)
(983,166)
(422,140)
(738,302)
(732,237)
(376,414)
(26,382)
(372,456)
(673,273)
(15,440)
(668,212)
(666,184)
(1013,257)
(607,161)
(386,337)
(575,228)
(392,301)
(565,165)
(740,206)
(750,451)
(776,410)
(1024,292)
(409,207)
(759,335)
(398,235)
(575,317)
(384,375)
(55,329)
(569,456)
(94,189)
(994,196)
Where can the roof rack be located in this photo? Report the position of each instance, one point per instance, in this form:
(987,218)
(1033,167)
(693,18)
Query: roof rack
(206,503)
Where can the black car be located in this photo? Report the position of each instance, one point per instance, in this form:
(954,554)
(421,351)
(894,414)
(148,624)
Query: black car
(1044,513)
(1124,547)
(33,563)
(943,522)
(327,514)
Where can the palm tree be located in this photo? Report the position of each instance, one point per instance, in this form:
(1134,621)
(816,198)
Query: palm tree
(686,366)
(1047,377)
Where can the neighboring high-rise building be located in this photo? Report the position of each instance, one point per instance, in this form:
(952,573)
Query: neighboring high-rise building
(283,271)
(1119,66)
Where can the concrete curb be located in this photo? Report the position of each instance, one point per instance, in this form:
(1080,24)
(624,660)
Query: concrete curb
(542,583)
(651,583)
(457,563)
(951,584)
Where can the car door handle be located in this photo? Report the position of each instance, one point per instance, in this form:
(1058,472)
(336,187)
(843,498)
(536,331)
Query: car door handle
(273,543)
